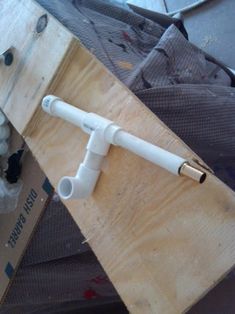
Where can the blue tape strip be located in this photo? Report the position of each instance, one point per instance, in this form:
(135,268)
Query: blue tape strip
(47,187)
(9,270)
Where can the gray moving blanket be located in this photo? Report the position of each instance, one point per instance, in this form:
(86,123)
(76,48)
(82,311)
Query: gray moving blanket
(188,90)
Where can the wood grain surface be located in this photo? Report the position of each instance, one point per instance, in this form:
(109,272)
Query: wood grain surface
(36,56)
(163,240)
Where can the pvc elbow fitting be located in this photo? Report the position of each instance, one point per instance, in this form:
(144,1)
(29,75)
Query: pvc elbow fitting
(80,186)
(83,184)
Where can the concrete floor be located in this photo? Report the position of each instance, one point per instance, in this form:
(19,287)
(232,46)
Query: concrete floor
(211,26)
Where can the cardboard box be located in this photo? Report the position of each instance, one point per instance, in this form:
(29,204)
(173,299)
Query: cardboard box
(16,228)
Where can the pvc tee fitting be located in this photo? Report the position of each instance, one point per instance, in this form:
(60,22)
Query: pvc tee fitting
(103,133)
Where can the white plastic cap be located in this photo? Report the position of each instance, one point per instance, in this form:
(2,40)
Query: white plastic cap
(47,104)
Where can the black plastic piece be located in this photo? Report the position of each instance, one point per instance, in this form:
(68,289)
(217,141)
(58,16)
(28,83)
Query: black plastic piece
(14,169)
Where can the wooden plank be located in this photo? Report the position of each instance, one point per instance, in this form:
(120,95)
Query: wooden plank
(163,240)
(36,56)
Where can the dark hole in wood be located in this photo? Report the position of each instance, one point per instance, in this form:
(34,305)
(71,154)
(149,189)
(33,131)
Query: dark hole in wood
(42,23)
(8,57)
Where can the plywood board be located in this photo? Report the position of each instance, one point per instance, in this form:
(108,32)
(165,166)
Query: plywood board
(36,56)
(163,240)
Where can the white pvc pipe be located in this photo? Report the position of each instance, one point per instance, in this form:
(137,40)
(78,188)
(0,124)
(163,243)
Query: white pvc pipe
(104,132)
(93,161)
(150,152)
(55,107)
(89,121)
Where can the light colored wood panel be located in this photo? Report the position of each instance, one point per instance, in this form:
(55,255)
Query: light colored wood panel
(163,240)
(36,57)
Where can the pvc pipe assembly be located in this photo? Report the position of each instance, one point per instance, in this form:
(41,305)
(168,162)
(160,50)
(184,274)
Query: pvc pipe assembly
(103,133)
